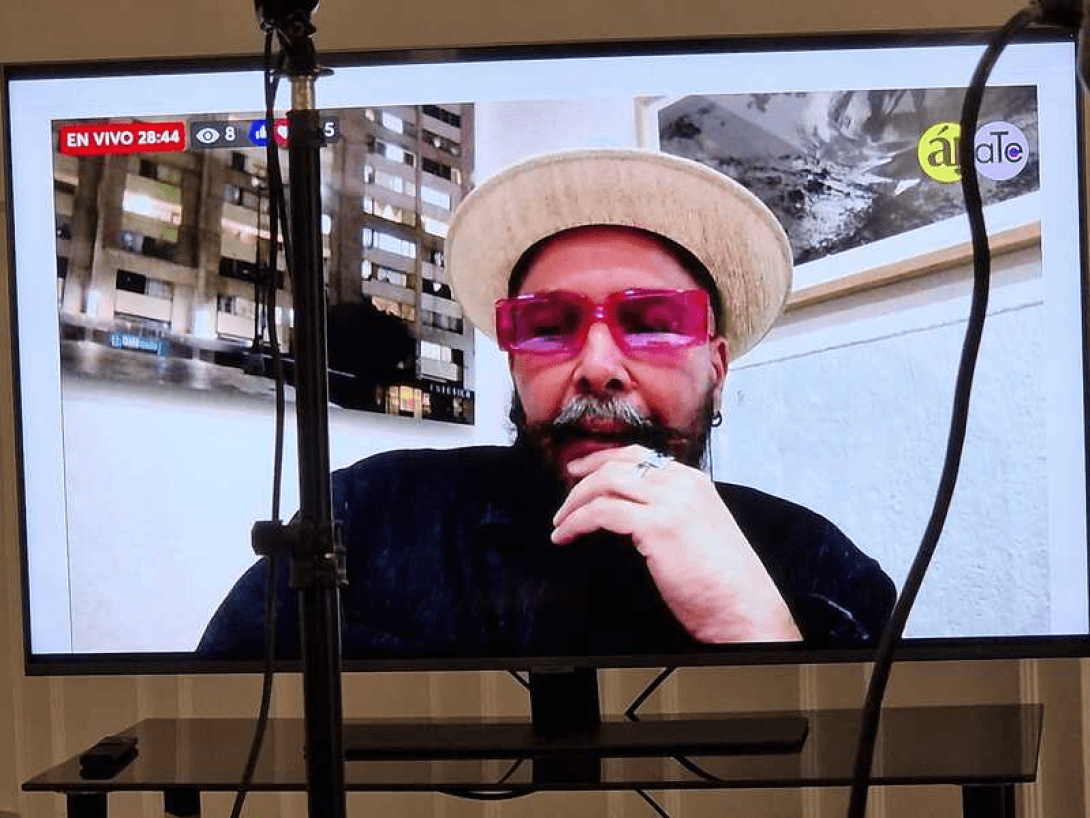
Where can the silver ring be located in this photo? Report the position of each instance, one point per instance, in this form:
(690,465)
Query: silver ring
(654,460)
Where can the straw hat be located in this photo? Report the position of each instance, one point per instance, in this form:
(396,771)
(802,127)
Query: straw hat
(729,229)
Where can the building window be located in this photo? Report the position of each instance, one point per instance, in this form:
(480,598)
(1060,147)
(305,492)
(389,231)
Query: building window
(406,312)
(442,143)
(395,153)
(389,212)
(437,352)
(436,168)
(134,242)
(151,207)
(376,272)
(434,226)
(132,282)
(435,197)
(380,239)
(131,241)
(392,123)
(157,248)
(438,288)
(238,269)
(438,320)
(443,115)
(235,305)
(390,181)
(159,289)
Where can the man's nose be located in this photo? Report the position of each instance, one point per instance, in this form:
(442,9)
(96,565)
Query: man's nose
(602,366)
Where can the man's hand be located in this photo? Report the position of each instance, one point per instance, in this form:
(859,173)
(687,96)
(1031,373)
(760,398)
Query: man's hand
(704,568)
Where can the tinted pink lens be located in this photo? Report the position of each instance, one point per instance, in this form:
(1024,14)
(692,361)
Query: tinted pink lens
(544,323)
(641,321)
(661,319)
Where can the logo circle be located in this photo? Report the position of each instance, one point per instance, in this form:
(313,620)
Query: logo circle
(1000,150)
(937,152)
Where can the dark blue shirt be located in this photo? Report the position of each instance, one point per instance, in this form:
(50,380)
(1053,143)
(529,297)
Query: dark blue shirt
(448,555)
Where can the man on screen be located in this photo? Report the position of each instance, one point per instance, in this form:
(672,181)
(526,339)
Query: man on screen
(620,283)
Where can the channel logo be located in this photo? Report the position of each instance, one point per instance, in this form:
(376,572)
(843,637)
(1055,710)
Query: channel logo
(1001,151)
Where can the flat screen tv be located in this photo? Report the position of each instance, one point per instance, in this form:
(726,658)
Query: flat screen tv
(138,204)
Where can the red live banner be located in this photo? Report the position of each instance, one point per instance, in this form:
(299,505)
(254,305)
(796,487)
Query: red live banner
(122,137)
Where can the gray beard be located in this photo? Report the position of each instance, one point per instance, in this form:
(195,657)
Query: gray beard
(688,446)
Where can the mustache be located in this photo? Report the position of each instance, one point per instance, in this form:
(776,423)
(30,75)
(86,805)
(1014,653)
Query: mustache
(588,407)
(634,425)
(629,426)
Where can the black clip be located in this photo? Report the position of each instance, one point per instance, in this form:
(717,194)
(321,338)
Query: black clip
(315,549)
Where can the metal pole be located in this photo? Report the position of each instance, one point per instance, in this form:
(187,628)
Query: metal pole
(317,569)
(316,575)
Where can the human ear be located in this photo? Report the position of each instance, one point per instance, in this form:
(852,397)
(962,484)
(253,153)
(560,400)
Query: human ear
(719,359)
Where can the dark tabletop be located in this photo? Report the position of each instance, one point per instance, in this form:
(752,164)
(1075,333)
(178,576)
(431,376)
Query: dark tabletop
(964,745)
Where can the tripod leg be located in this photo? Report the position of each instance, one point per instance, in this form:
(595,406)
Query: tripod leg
(182,802)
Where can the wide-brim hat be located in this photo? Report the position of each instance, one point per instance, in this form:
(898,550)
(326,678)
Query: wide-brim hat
(725,226)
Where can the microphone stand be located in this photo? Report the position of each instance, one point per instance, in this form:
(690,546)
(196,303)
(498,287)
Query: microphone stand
(317,557)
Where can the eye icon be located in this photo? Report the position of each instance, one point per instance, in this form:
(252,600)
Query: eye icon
(207,135)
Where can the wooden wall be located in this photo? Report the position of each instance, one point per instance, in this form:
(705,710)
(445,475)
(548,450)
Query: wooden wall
(44,720)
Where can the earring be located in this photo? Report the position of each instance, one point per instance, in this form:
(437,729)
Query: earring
(717,419)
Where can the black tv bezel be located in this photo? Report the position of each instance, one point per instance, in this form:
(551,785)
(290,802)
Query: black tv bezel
(750,654)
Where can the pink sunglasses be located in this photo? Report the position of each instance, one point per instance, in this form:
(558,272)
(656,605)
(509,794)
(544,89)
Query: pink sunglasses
(642,322)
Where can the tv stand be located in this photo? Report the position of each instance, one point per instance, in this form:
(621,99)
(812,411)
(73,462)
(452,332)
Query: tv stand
(983,750)
(564,701)
(424,739)
(566,723)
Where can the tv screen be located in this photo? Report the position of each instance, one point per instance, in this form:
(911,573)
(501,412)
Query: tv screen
(139,209)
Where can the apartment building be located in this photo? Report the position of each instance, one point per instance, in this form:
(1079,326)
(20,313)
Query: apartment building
(167,254)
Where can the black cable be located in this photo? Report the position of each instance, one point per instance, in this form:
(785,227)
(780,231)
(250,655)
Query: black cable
(699,771)
(277,213)
(652,803)
(515,675)
(273,567)
(645,694)
(684,761)
(272,158)
(631,714)
(511,771)
(883,658)
(490,794)
(484,795)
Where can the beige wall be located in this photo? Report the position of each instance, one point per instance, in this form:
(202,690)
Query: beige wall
(43,721)
(65,29)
